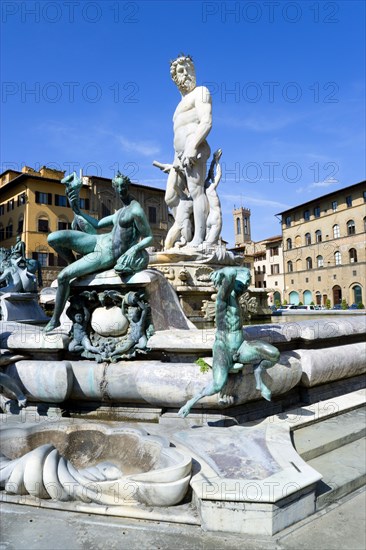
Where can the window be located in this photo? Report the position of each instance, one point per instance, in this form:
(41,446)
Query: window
(318,236)
(320,261)
(357,294)
(289,244)
(274,251)
(275,269)
(290,266)
(2,233)
(309,263)
(152,214)
(43,198)
(317,212)
(288,221)
(43,226)
(21,199)
(84,204)
(264,284)
(63,225)
(334,206)
(319,279)
(364,196)
(246,226)
(20,226)
(238,230)
(2,209)
(60,200)
(349,200)
(10,205)
(351,228)
(45,259)
(306,215)
(336,231)
(337,258)
(292,281)
(9,231)
(353,255)
(307,239)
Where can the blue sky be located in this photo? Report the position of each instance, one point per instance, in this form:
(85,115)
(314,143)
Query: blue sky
(86,85)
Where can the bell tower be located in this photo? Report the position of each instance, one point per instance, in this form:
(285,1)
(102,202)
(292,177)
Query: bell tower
(241,226)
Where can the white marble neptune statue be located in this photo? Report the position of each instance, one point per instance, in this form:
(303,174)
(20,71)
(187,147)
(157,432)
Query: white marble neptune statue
(192,123)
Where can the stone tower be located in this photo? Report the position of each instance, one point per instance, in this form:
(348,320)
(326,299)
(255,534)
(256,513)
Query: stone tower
(241,226)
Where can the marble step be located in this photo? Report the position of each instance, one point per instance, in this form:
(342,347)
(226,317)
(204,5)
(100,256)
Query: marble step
(329,434)
(343,470)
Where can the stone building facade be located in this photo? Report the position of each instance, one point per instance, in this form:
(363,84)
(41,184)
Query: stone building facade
(263,258)
(324,248)
(268,267)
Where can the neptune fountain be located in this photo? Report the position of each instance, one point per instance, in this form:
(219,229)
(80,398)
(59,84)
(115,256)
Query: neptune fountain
(121,406)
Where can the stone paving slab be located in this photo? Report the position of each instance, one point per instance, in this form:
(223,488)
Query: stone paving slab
(25,528)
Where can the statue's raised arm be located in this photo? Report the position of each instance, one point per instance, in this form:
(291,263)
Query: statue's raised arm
(82,221)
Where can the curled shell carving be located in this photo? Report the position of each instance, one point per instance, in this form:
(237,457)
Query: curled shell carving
(107,466)
(44,473)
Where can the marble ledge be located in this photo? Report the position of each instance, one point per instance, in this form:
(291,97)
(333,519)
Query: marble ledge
(309,414)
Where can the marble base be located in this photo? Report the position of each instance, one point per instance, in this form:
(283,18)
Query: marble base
(31,339)
(153,383)
(326,365)
(45,381)
(251,479)
(168,376)
(248,518)
(203,254)
(166,310)
(246,480)
(23,307)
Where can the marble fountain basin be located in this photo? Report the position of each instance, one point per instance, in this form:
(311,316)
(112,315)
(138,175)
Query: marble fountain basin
(95,463)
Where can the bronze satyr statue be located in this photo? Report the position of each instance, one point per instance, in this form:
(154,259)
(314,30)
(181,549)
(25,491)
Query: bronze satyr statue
(123,248)
(230,351)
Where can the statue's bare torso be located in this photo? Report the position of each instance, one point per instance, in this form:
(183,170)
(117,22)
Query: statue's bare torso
(186,119)
(229,325)
(125,233)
